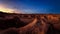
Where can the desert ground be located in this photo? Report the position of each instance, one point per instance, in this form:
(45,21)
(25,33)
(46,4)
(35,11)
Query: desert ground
(11,23)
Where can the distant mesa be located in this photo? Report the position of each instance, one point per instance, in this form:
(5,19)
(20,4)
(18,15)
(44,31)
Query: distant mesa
(5,13)
(2,12)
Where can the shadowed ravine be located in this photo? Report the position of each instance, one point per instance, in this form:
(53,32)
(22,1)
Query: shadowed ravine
(29,23)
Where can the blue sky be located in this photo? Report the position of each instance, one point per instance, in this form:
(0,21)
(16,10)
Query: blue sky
(34,6)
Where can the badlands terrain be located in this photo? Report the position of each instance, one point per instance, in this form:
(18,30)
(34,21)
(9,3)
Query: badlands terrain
(12,23)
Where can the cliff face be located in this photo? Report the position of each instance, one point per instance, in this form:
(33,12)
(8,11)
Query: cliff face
(29,23)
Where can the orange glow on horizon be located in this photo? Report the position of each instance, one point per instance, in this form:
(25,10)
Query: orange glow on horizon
(3,8)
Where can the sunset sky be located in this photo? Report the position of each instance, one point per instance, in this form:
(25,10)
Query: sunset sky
(30,6)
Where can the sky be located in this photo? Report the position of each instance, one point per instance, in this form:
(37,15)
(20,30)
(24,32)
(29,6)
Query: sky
(31,6)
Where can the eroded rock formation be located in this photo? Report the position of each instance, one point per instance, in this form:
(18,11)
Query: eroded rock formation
(27,24)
